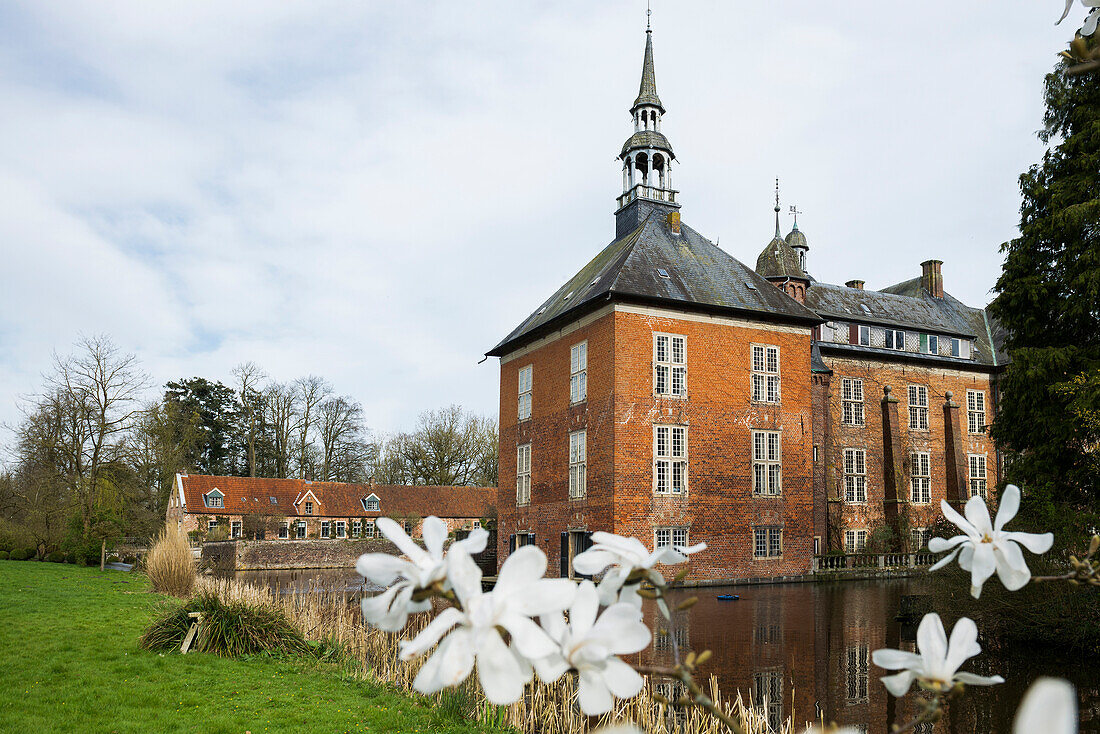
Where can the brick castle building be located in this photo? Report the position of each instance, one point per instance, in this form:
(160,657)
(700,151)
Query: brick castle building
(670,392)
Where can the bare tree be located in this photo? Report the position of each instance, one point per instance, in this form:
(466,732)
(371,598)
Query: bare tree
(311,392)
(249,376)
(281,405)
(344,450)
(449,447)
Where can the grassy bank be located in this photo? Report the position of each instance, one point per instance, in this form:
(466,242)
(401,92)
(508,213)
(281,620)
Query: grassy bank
(71,663)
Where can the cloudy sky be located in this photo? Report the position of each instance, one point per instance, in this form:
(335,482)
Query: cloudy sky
(377,192)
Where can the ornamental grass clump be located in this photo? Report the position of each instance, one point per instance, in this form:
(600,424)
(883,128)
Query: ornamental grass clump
(227,629)
(170,565)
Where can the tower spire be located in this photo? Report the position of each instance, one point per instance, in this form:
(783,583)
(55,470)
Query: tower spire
(777,234)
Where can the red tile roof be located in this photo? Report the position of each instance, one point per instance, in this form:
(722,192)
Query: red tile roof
(248,495)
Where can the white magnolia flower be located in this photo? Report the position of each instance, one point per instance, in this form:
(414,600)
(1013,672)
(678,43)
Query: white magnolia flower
(626,555)
(937,663)
(520,593)
(1049,706)
(1091,20)
(987,547)
(390,610)
(590,646)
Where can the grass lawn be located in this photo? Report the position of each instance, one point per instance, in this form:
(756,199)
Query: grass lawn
(71,663)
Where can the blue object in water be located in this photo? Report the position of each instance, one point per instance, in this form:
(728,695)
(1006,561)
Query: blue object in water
(728,597)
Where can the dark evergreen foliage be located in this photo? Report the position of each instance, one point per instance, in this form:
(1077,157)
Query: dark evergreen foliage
(1048,301)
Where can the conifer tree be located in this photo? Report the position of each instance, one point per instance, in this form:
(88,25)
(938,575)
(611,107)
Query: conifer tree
(1048,302)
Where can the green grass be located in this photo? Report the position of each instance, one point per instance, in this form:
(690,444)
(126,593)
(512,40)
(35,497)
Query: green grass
(71,663)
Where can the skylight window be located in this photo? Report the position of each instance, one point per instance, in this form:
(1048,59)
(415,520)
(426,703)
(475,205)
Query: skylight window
(542,310)
(750,285)
(594,282)
(662,272)
(864,307)
(568,296)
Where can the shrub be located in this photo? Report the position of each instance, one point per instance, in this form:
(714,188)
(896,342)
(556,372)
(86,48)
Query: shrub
(227,630)
(170,565)
(3,555)
(20,554)
(56,557)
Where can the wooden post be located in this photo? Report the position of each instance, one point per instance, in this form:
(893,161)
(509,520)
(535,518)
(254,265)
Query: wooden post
(103,555)
(197,617)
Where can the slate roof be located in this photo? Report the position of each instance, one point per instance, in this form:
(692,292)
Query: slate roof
(700,276)
(252,495)
(796,239)
(908,306)
(647,90)
(647,139)
(779,260)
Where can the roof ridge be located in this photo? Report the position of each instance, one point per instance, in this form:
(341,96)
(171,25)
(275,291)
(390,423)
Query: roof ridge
(632,238)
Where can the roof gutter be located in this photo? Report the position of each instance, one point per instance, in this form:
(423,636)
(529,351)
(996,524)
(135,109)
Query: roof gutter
(989,333)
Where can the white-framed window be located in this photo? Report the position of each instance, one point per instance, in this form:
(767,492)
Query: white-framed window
(670,459)
(341,529)
(326,529)
(214,499)
(855,541)
(929,343)
(476,524)
(765,373)
(368,529)
(918,408)
(211,525)
(578,372)
(284,530)
(578,457)
(977,475)
(956,348)
(920,480)
(676,537)
(356,528)
(523,474)
(975,411)
(525,392)
(407,525)
(895,339)
(855,475)
(309,508)
(670,365)
(865,336)
(371,503)
(767,541)
(851,401)
(767,462)
(856,673)
(301,529)
(918,538)
(235,529)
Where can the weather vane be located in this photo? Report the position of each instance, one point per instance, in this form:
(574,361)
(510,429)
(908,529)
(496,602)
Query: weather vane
(648,13)
(795,211)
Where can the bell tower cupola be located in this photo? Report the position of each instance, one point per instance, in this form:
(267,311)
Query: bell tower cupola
(646,156)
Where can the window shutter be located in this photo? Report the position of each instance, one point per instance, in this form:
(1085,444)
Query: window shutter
(511,544)
(565,555)
(853,333)
(924,343)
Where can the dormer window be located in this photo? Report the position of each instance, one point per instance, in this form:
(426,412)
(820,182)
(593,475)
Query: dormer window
(214,498)
(309,508)
(372,503)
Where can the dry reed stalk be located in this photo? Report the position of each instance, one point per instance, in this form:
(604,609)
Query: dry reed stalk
(170,565)
(325,614)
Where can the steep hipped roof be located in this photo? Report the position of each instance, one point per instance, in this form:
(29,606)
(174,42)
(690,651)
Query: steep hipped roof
(647,90)
(779,260)
(908,306)
(248,495)
(644,139)
(700,276)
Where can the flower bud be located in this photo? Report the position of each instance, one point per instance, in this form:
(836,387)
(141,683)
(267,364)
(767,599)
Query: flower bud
(688,603)
(704,656)
(1094,545)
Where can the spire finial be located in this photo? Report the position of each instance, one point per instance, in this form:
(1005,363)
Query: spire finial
(795,211)
(648,12)
(777,207)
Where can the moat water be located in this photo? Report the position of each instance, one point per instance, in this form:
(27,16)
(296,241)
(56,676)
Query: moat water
(803,650)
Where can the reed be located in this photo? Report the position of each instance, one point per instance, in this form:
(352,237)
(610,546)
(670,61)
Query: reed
(334,617)
(170,565)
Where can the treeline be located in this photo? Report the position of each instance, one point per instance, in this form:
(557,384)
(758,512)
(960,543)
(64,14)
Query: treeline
(93,459)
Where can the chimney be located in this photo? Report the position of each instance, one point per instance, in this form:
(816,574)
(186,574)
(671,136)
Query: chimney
(931,278)
(857,284)
(673,219)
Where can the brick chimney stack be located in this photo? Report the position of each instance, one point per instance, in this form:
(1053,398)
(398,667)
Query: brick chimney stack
(857,284)
(931,278)
(673,219)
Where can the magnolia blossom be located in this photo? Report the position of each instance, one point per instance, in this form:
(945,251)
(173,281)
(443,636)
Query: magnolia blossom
(987,547)
(390,610)
(471,634)
(626,555)
(590,645)
(1049,706)
(1091,20)
(937,664)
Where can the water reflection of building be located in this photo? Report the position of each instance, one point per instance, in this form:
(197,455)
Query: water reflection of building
(804,651)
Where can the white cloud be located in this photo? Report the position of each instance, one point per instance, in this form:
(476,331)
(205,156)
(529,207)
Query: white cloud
(378,192)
